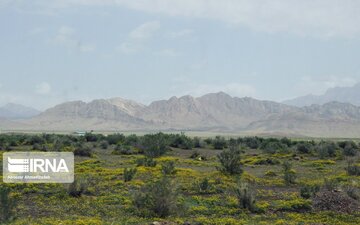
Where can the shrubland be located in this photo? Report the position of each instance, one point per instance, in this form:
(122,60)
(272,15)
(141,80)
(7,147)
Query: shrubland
(178,179)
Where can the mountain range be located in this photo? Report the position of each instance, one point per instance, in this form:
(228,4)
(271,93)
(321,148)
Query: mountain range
(215,112)
(16,111)
(340,94)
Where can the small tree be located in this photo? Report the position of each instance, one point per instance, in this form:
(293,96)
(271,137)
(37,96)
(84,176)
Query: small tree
(245,196)
(7,204)
(129,174)
(77,188)
(168,168)
(289,173)
(219,143)
(104,144)
(157,199)
(82,150)
(154,145)
(230,161)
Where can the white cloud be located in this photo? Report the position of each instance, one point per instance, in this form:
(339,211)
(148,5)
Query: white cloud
(320,18)
(66,37)
(180,33)
(167,52)
(145,31)
(129,47)
(318,85)
(137,37)
(43,88)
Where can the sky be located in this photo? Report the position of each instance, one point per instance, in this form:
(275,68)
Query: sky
(145,50)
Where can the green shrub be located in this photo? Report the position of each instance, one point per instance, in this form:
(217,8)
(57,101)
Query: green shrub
(114,139)
(160,199)
(129,174)
(326,149)
(289,173)
(304,148)
(82,150)
(353,191)
(7,204)
(121,149)
(77,188)
(181,141)
(353,169)
(154,145)
(245,196)
(230,161)
(195,155)
(197,142)
(273,147)
(309,191)
(168,168)
(104,144)
(330,184)
(219,143)
(349,148)
(204,185)
(146,161)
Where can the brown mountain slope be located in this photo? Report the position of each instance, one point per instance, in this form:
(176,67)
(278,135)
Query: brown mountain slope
(212,112)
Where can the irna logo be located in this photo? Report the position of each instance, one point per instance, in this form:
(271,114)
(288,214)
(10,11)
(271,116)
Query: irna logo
(38,167)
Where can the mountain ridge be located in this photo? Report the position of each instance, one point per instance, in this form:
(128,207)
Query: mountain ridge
(340,94)
(218,112)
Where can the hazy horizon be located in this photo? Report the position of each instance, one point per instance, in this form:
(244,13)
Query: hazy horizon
(60,51)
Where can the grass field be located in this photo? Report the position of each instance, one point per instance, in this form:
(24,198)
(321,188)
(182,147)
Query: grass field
(206,194)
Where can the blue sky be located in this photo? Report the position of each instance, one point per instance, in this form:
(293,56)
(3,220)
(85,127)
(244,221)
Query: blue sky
(62,50)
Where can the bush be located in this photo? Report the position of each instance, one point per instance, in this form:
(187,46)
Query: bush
(90,137)
(77,188)
(154,145)
(83,150)
(349,148)
(289,173)
(195,155)
(326,149)
(129,174)
(330,184)
(309,191)
(114,139)
(230,161)
(146,161)
(121,149)
(353,169)
(7,204)
(197,142)
(104,144)
(219,143)
(304,148)
(168,168)
(181,141)
(251,142)
(272,146)
(245,196)
(204,185)
(353,192)
(158,199)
